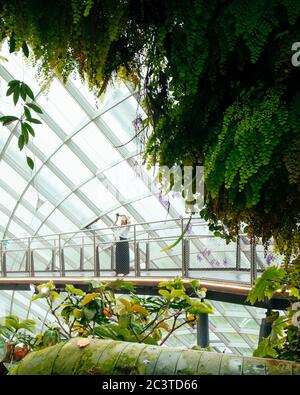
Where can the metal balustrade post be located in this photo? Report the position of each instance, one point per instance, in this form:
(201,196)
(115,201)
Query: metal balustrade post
(1,258)
(97,263)
(135,252)
(4,271)
(94,252)
(138,260)
(147,256)
(253,263)
(32,274)
(112,258)
(238,253)
(53,260)
(28,262)
(81,259)
(61,258)
(27,267)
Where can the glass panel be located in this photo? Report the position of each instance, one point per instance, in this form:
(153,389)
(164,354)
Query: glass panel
(11,177)
(4,135)
(96,146)
(76,207)
(46,180)
(99,195)
(111,97)
(62,222)
(120,120)
(73,168)
(62,108)
(125,181)
(7,200)
(45,139)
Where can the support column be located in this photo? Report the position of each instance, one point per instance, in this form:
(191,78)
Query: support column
(265,326)
(202,330)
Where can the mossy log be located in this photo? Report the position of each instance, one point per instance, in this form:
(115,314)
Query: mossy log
(101,357)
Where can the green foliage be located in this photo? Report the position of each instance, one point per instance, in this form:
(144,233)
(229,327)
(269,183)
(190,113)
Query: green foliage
(267,284)
(284,340)
(20,89)
(100,313)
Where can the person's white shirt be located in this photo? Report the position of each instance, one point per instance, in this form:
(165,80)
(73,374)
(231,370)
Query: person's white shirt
(121,230)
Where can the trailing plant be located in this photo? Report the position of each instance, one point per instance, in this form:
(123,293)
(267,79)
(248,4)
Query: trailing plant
(216,80)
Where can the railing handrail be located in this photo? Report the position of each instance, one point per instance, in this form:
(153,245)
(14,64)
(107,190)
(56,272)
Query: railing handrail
(102,229)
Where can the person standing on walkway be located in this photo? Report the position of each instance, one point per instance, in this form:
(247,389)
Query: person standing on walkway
(121,230)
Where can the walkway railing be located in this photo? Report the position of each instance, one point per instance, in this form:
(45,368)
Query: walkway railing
(92,253)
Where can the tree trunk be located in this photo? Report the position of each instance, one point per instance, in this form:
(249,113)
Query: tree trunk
(100,357)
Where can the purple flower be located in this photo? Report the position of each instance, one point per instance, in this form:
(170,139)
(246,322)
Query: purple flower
(176,195)
(199,257)
(225,261)
(270,258)
(163,201)
(189,229)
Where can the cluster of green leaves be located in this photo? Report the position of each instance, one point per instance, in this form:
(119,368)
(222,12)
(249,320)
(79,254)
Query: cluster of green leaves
(284,340)
(16,339)
(21,90)
(99,313)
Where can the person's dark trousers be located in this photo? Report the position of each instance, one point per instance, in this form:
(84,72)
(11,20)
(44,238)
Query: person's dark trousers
(122,256)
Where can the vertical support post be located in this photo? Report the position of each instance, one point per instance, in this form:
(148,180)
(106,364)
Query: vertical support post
(203,330)
(138,260)
(97,263)
(265,327)
(238,253)
(253,263)
(147,255)
(182,249)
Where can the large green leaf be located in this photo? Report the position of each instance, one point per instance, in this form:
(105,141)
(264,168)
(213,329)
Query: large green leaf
(35,108)
(34,120)
(266,285)
(7,119)
(25,133)
(29,325)
(30,162)
(29,128)
(72,290)
(16,94)
(21,142)
(179,239)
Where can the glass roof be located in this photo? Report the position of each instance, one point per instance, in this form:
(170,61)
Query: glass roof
(85,172)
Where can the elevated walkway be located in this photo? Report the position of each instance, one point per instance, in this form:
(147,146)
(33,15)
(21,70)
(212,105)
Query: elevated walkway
(227,270)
